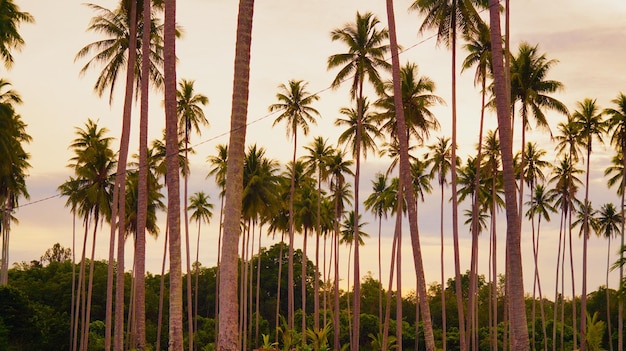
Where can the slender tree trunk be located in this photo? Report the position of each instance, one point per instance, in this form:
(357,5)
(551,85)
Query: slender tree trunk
(336,325)
(398,233)
(583,297)
(173,183)
(217,275)
(80,295)
(620,306)
(290,277)
(356,316)
(187,249)
(143,191)
(515,281)
(406,174)
(228,336)
(444,327)
(73,308)
(162,290)
(608,304)
(280,278)
(380,277)
(394,247)
(318,232)
(195,289)
(258,292)
(90,284)
(303,267)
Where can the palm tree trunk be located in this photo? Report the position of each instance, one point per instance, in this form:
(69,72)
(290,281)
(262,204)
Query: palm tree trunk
(187,252)
(620,306)
(583,297)
(515,278)
(444,327)
(336,325)
(608,305)
(217,274)
(318,232)
(173,185)
(280,278)
(73,308)
(356,316)
(292,191)
(228,336)
(380,276)
(142,206)
(258,292)
(398,233)
(394,247)
(303,266)
(90,284)
(80,294)
(161,291)
(195,289)
(406,174)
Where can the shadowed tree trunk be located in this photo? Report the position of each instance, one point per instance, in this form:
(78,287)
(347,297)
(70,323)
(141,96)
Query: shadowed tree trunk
(515,282)
(173,182)
(406,174)
(142,207)
(228,335)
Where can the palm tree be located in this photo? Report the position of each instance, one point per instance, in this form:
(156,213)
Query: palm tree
(617,128)
(13,168)
(11,19)
(608,220)
(541,205)
(119,26)
(439,159)
(530,86)
(366,53)
(91,190)
(514,280)
(338,167)
(190,116)
(588,119)
(173,183)
(379,203)
(447,17)
(294,103)
(566,185)
(228,338)
(202,211)
(319,152)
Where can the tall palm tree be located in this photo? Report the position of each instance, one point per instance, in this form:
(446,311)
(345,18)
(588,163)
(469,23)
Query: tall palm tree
(190,117)
(294,101)
(228,338)
(608,220)
(13,167)
(447,17)
(11,19)
(201,211)
(617,128)
(540,205)
(379,203)
(94,166)
(338,168)
(566,185)
(439,158)
(172,174)
(218,170)
(514,280)
(590,124)
(319,152)
(366,54)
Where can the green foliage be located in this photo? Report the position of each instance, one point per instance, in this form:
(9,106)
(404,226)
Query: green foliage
(595,332)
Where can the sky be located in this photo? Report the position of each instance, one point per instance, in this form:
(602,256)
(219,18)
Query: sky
(291,40)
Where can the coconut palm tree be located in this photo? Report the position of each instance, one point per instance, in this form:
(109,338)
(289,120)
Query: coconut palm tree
(539,205)
(94,166)
(514,280)
(439,159)
(531,88)
(379,203)
(447,17)
(228,338)
(294,103)
(566,185)
(201,211)
(589,121)
(617,127)
(190,117)
(13,168)
(366,54)
(608,220)
(338,168)
(172,174)
(318,153)
(11,19)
